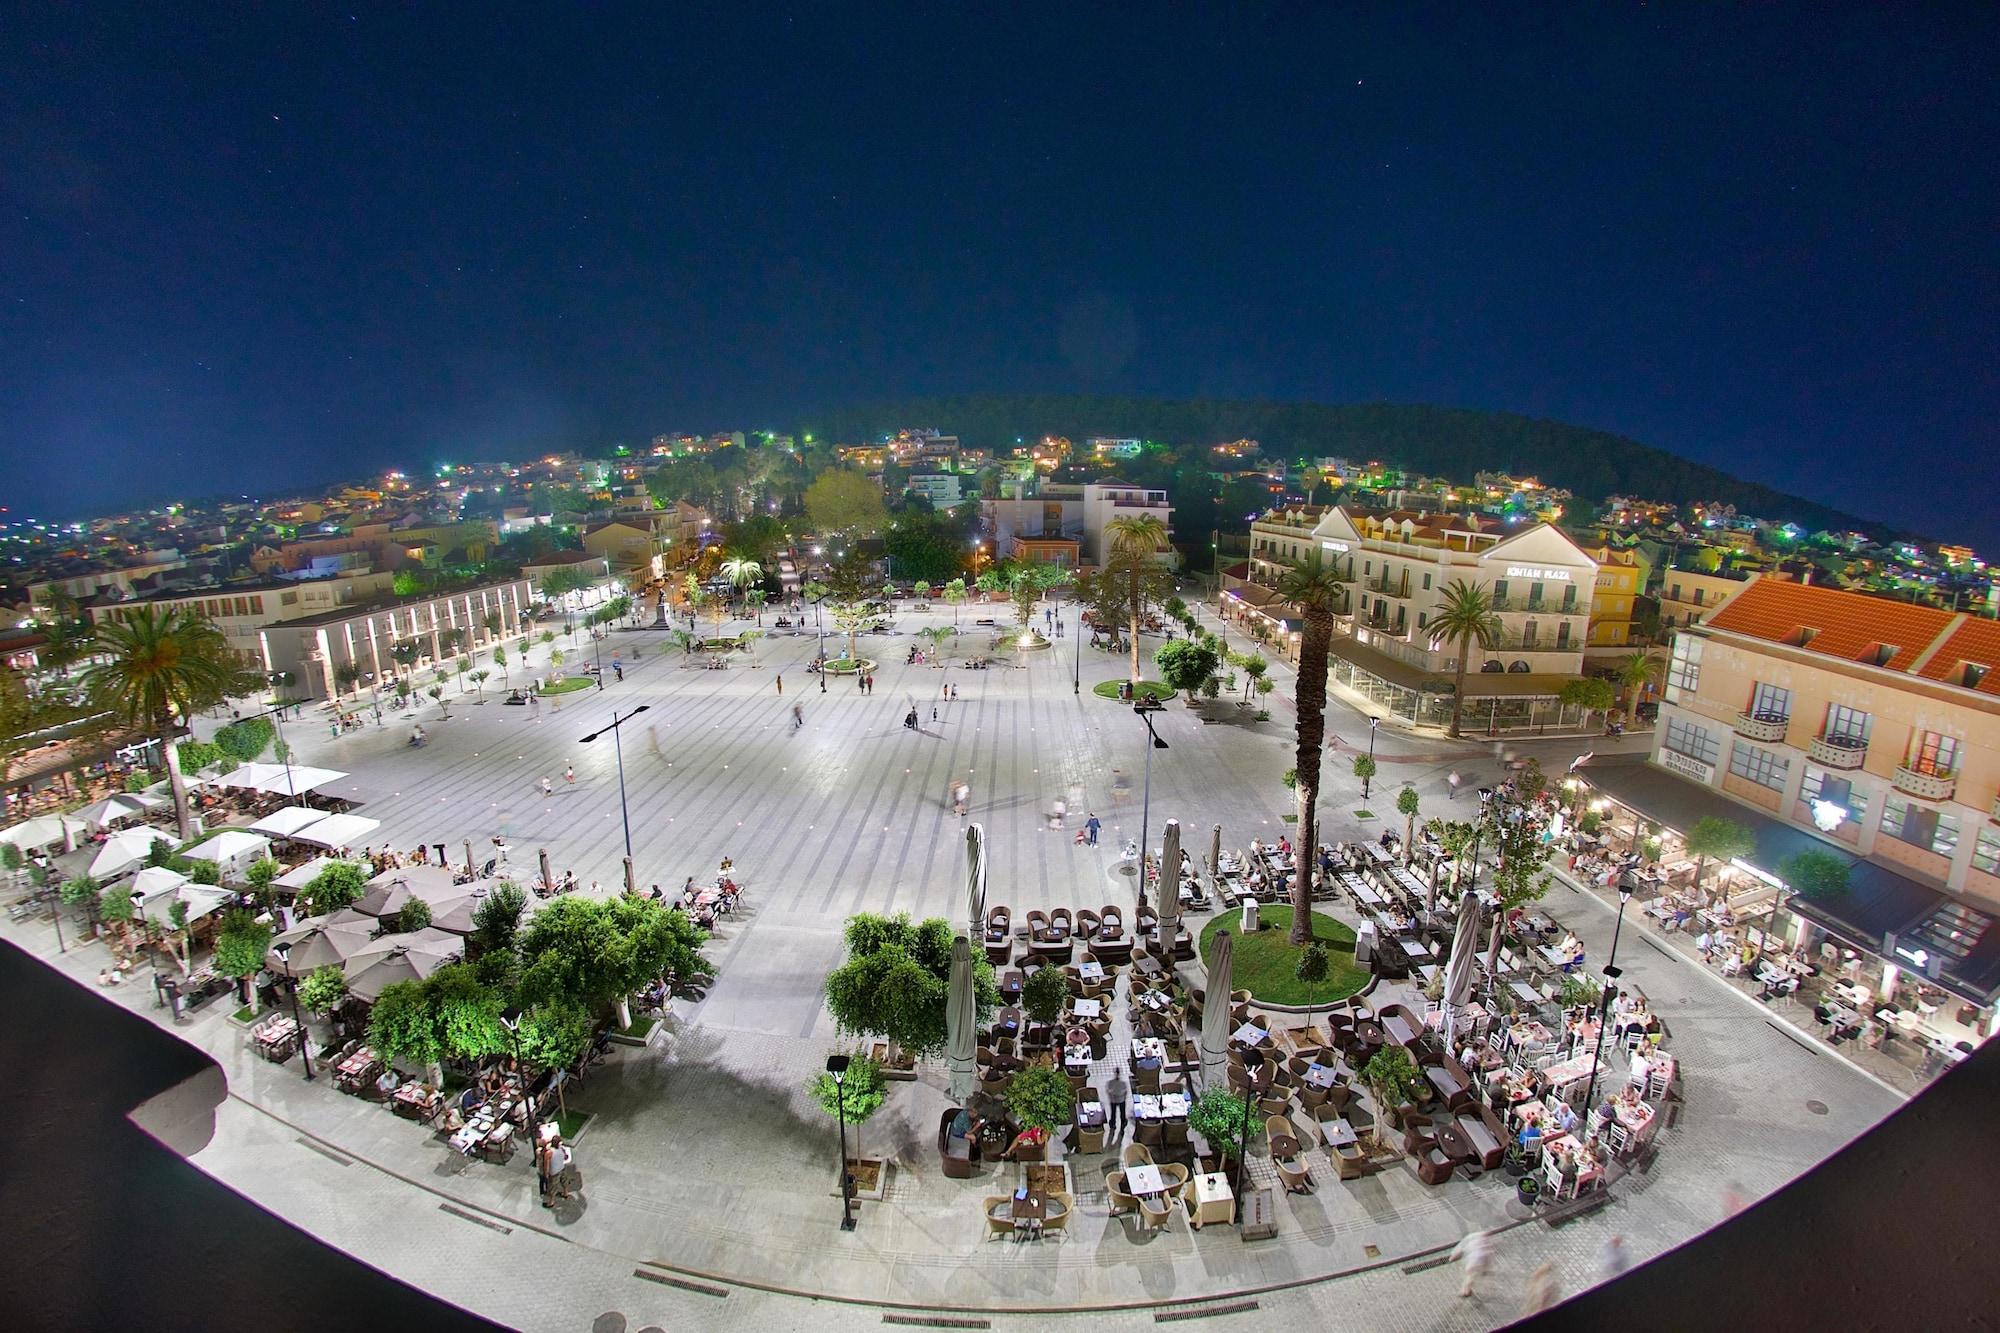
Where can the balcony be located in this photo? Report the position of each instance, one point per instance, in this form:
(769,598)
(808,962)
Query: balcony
(1838,751)
(1541,606)
(1924,786)
(1398,590)
(1766,726)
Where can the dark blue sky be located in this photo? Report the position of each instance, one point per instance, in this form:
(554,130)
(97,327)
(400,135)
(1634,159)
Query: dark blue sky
(300,241)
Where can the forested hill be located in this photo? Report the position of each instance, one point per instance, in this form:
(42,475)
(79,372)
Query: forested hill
(1447,441)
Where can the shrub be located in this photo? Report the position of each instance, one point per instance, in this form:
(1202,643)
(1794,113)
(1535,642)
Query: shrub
(1039,1097)
(323,988)
(205,872)
(77,889)
(333,888)
(859,1094)
(416,914)
(244,741)
(240,944)
(1043,994)
(1217,1115)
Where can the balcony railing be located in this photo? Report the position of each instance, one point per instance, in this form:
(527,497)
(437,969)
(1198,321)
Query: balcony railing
(1924,786)
(1762,726)
(1399,591)
(1838,751)
(1540,606)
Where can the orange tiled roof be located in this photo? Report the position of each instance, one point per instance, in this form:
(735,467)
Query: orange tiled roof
(1848,626)
(1975,641)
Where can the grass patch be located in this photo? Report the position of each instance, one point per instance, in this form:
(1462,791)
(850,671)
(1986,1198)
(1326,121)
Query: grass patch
(640,1025)
(847,666)
(1264,962)
(570,685)
(571,1123)
(245,1014)
(1152,689)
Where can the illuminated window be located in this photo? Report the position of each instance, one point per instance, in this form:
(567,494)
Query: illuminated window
(1935,754)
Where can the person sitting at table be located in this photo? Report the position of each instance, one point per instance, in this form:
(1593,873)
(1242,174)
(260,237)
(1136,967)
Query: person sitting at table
(1600,1123)
(1028,1146)
(1531,1138)
(389,1081)
(1565,1117)
(1284,845)
(963,1133)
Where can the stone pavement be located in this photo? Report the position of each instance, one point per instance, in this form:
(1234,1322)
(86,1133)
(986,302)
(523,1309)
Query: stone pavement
(705,1166)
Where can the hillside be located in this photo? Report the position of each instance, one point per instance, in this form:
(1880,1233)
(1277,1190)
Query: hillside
(1453,442)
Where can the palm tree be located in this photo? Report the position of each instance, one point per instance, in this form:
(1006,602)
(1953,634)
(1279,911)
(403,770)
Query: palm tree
(1139,537)
(742,572)
(954,593)
(1316,587)
(157,668)
(1635,673)
(1466,620)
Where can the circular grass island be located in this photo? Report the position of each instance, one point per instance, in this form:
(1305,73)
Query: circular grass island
(847,666)
(1151,689)
(1265,963)
(568,685)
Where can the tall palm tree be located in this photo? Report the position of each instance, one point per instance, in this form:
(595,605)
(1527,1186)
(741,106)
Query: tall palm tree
(742,572)
(158,667)
(1138,538)
(1634,674)
(1317,588)
(1468,621)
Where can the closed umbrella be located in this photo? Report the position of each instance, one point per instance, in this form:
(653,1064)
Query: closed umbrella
(1170,889)
(1459,972)
(1215,1013)
(961,1005)
(975,878)
(548,880)
(1215,859)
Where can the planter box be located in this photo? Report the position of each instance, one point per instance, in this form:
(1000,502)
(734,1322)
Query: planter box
(645,1038)
(876,1191)
(903,1068)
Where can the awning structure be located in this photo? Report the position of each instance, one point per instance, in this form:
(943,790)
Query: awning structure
(1880,903)
(287,820)
(334,831)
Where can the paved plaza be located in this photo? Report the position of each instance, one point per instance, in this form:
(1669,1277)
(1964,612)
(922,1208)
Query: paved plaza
(708,1196)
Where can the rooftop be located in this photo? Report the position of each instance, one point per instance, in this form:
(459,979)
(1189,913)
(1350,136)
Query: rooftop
(1853,627)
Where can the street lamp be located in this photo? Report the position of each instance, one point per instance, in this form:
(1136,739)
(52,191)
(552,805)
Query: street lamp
(510,1018)
(1076,686)
(1374,724)
(1145,708)
(1611,975)
(1253,1060)
(836,1066)
(284,952)
(618,748)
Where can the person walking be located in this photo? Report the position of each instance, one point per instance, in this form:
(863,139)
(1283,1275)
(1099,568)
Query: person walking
(1541,1292)
(798,716)
(1452,781)
(934,716)
(1116,1090)
(1615,1259)
(569,774)
(548,787)
(618,668)
(961,799)
(1475,1254)
(781,684)
(1091,827)
(1061,813)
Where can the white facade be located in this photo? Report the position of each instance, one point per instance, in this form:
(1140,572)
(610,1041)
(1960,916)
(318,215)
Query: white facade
(1081,514)
(940,488)
(315,650)
(1539,580)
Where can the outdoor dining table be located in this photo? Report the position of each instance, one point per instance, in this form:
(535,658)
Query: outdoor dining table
(1856,996)
(1321,1076)
(1339,1134)
(417,1101)
(1087,1008)
(1213,1201)
(1454,1142)
(1147,966)
(1368,1032)
(1076,1058)
(1415,947)
(357,1069)
(1011,983)
(1145,1180)
(1428,971)
(277,1039)
(1090,970)
(1165,1106)
(1249,1034)
(1364,894)
(1563,1073)
(1008,1020)
(1148,1048)
(1525,993)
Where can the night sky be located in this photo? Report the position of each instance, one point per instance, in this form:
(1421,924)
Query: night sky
(296,242)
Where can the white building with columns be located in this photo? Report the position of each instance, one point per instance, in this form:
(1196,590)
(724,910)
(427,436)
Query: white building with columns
(316,649)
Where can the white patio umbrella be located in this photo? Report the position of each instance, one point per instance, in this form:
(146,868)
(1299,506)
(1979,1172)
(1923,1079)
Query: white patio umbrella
(1170,891)
(1463,966)
(1215,1012)
(337,831)
(249,777)
(126,850)
(116,808)
(229,846)
(961,1005)
(32,835)
(288,820)
(155,882)
(199,899)
(297,779)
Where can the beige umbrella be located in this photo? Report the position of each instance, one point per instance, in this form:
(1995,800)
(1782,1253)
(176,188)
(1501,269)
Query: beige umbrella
(1170,891)
(1215,859)
(320,944)
(388,891)
(395,958)
(1215,1012)
(126,850)
(1460,971)
(961,1008)
(975,878)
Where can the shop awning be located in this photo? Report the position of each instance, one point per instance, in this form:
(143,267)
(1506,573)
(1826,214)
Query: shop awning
(1878,903)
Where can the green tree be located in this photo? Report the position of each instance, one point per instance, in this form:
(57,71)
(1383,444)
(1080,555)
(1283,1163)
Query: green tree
(859,1093)
(1465,619)
(954,595)
(1588,694)
(1815,873)
(466,1011)
(1254,666)
(1186,665)
(556,1035)
(1311,973)
(660,943)
(260,875)
(500,660)
(1317,587)
(1138,538)
(1044,993)
(496,922)
(323,989)
(205,872)
(1636,674)
(1408,805)
(1520,876)
(241,942)
(1039,1097)
(478,679)
(893,983)
(1719,839)
(1364,772)
(1219,1115)
(338,884)
(843,505)
(416,915)
(156,668)
(403,1026)
(572,951)
(1392,1079)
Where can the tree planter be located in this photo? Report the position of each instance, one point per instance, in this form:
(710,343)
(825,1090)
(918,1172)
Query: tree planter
(871,1178)
(1516,1163)
(896,1064)
(1528,1190)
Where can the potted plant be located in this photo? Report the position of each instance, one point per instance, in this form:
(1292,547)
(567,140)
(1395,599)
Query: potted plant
(894,985)
(1516,1162)
(1218,1116)
(858,1095)
(1528,1189)
(1043,993)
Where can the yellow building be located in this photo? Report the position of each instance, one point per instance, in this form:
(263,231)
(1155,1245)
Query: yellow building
(1621,575)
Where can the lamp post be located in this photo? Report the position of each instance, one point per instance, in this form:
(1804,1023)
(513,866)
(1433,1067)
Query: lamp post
(1611,975)
(1076,686)
(1145,708)
(1374,723)
(618,748)
(284,952)
(510,1018)
(836,1065)
(1253,1060)
(597,654)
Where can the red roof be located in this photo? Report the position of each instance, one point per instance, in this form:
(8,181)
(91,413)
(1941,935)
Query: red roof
(1854,627)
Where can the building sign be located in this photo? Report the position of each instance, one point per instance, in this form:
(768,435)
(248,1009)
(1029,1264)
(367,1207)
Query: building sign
(1688,766)
(1923,960)
(1537,572)
(1337,547)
